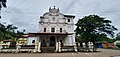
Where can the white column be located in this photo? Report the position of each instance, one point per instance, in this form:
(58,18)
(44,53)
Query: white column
(56,47)
(92,46)
(73,37)
(39,46)
(75,47)
(1,48)
(36,47)
(18,48)
(59,47)
(84,46)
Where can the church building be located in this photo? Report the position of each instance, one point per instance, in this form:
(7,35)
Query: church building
(54,28)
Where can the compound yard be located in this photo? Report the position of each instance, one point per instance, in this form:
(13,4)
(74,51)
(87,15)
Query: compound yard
(103,53)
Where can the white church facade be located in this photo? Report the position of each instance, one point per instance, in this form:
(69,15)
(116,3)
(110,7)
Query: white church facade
(55,29)
(56,34)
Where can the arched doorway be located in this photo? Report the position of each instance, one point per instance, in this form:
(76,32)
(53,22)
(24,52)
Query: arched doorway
(52,41)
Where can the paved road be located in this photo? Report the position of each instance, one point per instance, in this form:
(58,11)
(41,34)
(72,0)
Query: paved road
(103,53)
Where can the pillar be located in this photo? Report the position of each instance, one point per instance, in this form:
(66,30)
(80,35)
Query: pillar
(39,47)
(59,47)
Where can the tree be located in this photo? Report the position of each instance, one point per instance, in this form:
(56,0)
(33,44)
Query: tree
(9,32)
(118,36)
(91,27)
(2,31)
(2,4)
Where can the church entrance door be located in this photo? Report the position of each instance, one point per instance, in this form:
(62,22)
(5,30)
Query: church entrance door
(52,41)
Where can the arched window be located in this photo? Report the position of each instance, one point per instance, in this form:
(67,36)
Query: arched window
(60,29)
(68,20)
(44,29)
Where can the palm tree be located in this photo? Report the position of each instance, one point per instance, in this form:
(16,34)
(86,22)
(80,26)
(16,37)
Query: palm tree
(2,4)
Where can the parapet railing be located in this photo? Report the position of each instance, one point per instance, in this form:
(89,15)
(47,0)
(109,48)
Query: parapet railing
(20,48)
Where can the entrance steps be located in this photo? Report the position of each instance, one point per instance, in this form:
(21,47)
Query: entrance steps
(67,48)
(47,49)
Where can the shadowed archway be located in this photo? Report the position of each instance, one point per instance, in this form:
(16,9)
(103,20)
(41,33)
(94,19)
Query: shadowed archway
(52,41)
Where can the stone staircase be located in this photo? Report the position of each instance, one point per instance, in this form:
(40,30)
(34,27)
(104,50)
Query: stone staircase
(47,49)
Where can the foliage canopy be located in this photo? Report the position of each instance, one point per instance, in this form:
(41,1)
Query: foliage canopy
(9,32)
(118,36)
(91,27)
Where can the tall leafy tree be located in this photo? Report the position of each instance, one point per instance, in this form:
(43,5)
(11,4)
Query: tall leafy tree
(9,32)
(2,31)
(91,27)
(118,36)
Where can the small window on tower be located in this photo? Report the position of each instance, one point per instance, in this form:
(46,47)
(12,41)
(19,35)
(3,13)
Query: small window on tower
(60,29)
(68,20)
(44,29)
(52,29)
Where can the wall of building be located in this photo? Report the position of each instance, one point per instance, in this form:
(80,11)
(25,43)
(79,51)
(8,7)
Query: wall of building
(30,40)
(56,26)
(66,26)
(57,20)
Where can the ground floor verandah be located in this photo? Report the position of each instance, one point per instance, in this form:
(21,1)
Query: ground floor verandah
(54,41)
(44,42)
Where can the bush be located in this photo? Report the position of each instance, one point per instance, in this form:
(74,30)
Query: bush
(117,43)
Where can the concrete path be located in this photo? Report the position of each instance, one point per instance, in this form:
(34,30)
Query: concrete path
(103,53)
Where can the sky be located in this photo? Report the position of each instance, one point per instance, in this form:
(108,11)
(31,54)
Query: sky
(25,14)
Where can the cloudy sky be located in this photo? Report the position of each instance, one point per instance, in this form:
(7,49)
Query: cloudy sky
(25,13)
